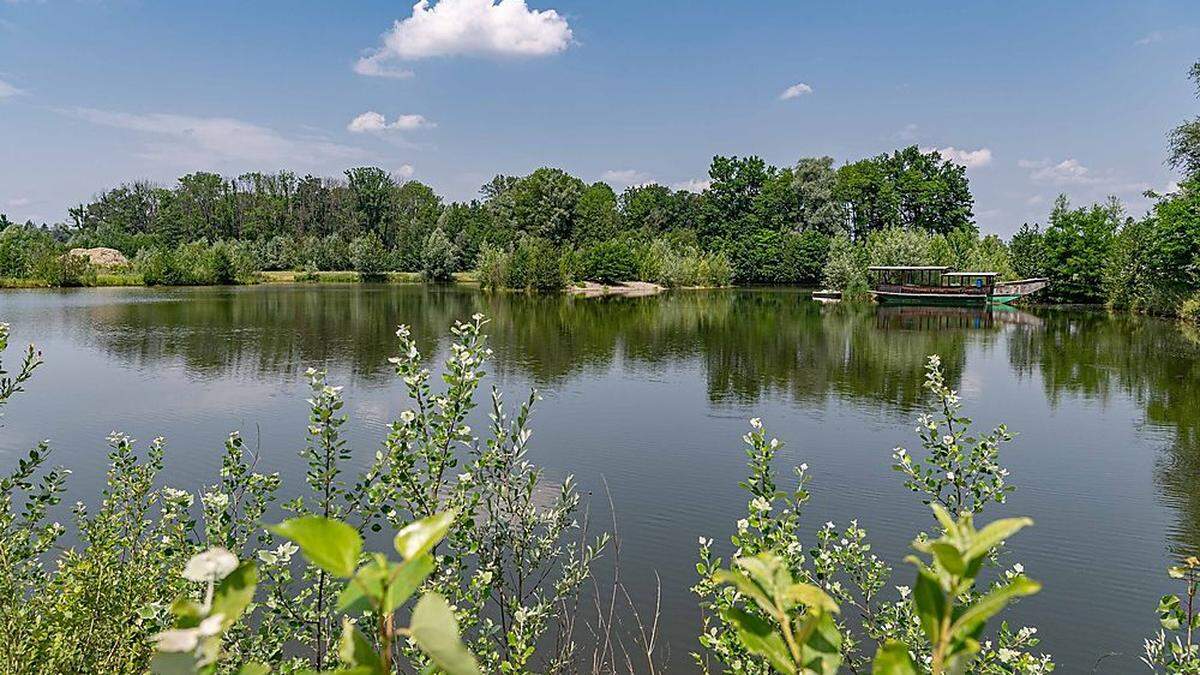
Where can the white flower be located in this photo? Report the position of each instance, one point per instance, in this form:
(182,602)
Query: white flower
(743,525)
(464,477)
(761,504)
(215,500)
(949,475)
(211,565)
(804,467)
(756,422)
(1018,568)
(408,416)
(176,495)
(948,439)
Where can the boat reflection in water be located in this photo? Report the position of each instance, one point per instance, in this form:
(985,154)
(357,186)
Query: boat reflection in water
(928,317)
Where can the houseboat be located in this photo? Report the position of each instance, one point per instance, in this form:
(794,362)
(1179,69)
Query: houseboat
(937,285)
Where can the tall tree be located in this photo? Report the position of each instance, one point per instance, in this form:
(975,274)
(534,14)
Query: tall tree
(908,188)
(371,192)
(543,204)
(1184,139)
(815,181)
(596,216)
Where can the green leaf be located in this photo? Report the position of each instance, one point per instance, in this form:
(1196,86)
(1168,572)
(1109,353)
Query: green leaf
(234,593)
(930,602)
(943,517)
(405,579)
(365,590)
(761,638)
(991,536)
(746,586)
(420,537)
(812,597)
(355,651)
(435,630)
(949,557)
(992,603)
(821,651)
(892,658)
(254,669)
(329,544)
(1169,613)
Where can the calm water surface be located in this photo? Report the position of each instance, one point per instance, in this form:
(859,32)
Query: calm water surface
(653,395)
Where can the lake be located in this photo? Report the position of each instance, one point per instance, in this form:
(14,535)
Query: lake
(652,396)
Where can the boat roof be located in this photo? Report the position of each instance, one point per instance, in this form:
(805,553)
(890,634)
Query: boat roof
(970,274)
(907,267)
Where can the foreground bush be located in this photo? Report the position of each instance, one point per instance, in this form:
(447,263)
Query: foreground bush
(511,560)
(157,579)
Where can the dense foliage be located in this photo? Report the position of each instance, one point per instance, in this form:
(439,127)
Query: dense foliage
(766,224)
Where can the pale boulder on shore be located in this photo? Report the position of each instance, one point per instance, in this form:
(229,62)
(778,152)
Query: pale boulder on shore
(102,257)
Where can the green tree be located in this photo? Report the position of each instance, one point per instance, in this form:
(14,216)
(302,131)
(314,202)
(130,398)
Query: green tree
(438,257)
(543,204)
(1027,249)
(1184,140)
(1078,244)
(815,181)
(371,193)
(909,189)
(368,256)
(596,217)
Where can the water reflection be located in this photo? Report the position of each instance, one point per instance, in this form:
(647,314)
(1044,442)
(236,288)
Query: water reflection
(752,343)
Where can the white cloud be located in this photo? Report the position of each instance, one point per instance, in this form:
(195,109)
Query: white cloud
(7,90)
(1035,200)
(503,28)
(374,66)
(372,122)
(1066,172)
(17,202)
(971,159)
(694,184)
(189,139)
(795,91)
(625,177)
(908,133)
(1150,38)
(405,171)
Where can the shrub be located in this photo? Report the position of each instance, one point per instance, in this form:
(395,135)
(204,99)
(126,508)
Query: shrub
(610,262)
(63,269)
(20,248)
(368,257)
(222,270)
(1190,309)
(94,606)
(802,257)
(846,266)
(535,265)
(1027,249)
(492,267)
(438,257)
(959,472)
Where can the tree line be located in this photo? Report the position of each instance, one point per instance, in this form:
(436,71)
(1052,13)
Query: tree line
(807,223)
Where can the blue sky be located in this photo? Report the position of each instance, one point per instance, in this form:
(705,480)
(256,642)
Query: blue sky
(1036,98)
